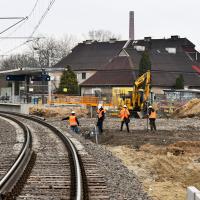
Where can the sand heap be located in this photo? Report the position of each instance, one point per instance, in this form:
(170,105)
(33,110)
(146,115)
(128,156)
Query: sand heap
(57,111)
(190,109)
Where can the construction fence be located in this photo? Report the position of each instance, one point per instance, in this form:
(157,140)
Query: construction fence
(81,100)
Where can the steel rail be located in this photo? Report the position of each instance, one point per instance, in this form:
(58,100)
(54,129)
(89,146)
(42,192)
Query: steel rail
(79,192)
(15,172)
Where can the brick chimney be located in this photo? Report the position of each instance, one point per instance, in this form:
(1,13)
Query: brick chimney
(131,25)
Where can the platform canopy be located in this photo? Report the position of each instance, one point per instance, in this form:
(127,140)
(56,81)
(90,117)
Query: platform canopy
(26,71)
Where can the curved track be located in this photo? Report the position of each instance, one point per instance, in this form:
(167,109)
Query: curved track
(56,173)
(17,165)
(59,171)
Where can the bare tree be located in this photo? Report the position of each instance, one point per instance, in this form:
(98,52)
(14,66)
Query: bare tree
(49,51)
(18,61)
(102,35)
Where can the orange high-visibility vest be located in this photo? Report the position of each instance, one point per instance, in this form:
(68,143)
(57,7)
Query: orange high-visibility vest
(152,115)
(124,113)
(100,113)
(72,121)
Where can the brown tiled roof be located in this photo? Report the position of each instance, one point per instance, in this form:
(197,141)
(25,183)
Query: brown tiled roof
(125,78)
(179,62)
(168,79)
(91,56)
(110,78)
(117,70)
(118,63)
(179,43)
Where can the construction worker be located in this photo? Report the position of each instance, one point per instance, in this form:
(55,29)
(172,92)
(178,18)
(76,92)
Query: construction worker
(73,122)
(152,118)
(100,118)
(124,115)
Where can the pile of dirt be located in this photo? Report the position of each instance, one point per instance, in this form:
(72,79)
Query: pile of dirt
(164,172)
(57,111)
(190,109)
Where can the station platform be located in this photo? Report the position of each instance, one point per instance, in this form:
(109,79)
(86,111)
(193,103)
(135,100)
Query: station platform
(11,107)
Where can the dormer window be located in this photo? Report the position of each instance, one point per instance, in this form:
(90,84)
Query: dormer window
(171,50)
(83,75)
(139,48)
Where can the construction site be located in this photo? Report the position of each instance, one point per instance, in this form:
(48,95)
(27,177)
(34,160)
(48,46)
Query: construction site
(166,161)
(100,116)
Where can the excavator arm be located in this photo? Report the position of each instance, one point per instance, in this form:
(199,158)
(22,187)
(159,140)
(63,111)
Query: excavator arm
(140,95)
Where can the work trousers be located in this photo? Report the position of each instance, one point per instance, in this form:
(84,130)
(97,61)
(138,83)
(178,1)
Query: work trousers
(100,125)
(75,129)
(152,124)
(122,123)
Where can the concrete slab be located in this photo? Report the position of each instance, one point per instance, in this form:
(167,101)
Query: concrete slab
(192,193)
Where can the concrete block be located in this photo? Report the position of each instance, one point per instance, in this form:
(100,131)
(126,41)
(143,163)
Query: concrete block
(197,196)
(191,193)
(24,108)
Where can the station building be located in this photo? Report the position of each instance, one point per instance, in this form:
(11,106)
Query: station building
(28,85)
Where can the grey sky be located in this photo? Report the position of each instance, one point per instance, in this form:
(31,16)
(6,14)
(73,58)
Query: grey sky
(155,18)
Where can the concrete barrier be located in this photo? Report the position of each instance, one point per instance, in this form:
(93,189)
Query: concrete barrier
(20,108)
(193,193)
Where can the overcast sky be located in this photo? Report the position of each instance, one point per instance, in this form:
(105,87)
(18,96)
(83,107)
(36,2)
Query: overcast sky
(155,18)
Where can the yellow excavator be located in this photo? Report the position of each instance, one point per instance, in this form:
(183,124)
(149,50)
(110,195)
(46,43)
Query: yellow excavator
(135,98)
(141,91)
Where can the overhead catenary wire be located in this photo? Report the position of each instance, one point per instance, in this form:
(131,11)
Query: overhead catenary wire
(43,17)
(28,17)
(11,17)
(13,25)
(35,28)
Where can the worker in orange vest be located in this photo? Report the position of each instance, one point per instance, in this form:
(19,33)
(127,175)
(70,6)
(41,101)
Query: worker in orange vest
(124,115)
(100,118)
(73,122)
(152,118)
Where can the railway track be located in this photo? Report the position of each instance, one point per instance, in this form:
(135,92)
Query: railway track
(58,171)
(13,167)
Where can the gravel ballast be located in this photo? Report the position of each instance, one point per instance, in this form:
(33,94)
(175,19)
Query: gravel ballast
(122,184)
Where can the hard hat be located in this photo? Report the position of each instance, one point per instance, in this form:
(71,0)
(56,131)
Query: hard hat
(99,106)
(125,106)
(150,107)
(73,112)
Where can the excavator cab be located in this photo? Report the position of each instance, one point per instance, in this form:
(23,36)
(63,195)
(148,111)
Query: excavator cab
(141,93)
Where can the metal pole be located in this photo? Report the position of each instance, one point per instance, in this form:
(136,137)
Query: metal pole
(91,111)
(13,91)
(96,134)
(27,88)
(43,84)
(49,91)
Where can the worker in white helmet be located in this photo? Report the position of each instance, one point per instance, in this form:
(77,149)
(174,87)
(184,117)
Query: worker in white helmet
(100,118)
(124,115)
(73,122)
(152,118)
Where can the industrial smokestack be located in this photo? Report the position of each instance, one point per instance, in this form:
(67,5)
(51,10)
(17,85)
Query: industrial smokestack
(131,25)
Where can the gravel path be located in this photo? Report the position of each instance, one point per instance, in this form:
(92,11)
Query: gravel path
(141,124)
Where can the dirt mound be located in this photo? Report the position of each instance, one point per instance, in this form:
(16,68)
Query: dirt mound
(165,171)
(190,109)
(57,111)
